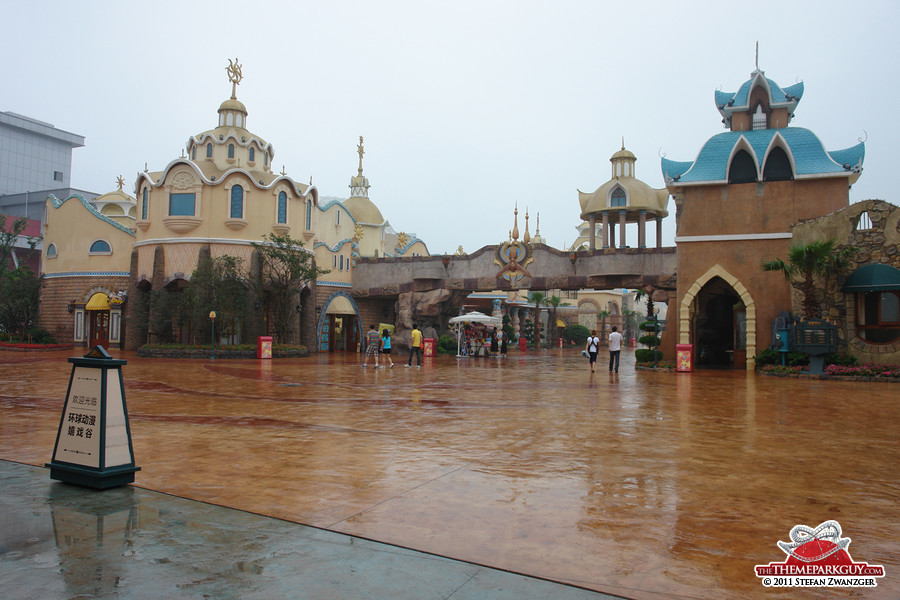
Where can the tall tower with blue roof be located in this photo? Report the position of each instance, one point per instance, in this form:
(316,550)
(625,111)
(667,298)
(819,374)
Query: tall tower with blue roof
(735,205)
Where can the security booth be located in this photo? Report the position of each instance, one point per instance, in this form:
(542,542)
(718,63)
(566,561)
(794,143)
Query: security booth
(816,338)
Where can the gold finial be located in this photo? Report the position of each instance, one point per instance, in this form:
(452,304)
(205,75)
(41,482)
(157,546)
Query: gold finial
(757,56)
(234,76)
(537,228)
(623,142)
(515,232)
(121,182)
(145,168)
(402,240)
(310,180)
(526,238)
(361,151)
(460,251)
(283,171)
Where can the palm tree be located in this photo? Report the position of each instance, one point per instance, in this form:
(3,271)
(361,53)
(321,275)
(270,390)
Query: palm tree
(805,263)
(537,298)
(641,294)
(602,316)
(554,302)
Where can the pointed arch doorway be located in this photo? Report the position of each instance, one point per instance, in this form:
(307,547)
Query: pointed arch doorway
(720,326)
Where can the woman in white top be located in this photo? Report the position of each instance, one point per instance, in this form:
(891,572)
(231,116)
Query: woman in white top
(593,344)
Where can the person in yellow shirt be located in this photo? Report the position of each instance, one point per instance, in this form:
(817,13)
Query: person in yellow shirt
(415,346)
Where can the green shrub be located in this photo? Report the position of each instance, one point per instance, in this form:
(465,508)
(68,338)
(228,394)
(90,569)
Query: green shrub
(768,357)
(646,355)
(39,336)
(650,340)
(797,359)
(446,344)
(840,359)
(576,334)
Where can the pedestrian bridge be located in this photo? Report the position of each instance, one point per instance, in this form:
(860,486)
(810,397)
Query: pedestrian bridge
(609,268)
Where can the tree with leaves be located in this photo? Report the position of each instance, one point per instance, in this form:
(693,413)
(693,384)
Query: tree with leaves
(537,298)
(602,315)
(554,302)
(284,267)
(808,262)
(20,287)
(217,284)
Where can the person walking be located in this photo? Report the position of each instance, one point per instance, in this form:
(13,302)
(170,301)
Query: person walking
(373,344)
(593,345)
(386,345)
(495,343)
(615,348)
(501,335)
(415,346)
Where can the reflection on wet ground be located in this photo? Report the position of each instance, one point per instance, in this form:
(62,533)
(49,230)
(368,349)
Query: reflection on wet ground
(643,484)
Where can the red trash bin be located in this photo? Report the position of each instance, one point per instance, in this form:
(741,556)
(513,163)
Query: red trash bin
(684,358)
(264,346)
(523,344)
(428,346)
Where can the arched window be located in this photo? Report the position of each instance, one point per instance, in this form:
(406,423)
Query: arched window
(864,223)
(51,251)
(617,198)
(100,247)
(341,263)
(209,150)
(743,169)
(282,207)
(266,158)
(237,202)
(193,152)
(252,154)
(308,215)
(145,210)
(230,150)
(778,166)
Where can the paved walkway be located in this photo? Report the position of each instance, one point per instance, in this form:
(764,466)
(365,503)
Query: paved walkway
(638,484)
(63,541)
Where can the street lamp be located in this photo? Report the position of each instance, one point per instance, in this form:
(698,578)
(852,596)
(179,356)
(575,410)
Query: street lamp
(212,348)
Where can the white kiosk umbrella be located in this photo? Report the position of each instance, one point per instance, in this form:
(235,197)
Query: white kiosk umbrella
(472,317)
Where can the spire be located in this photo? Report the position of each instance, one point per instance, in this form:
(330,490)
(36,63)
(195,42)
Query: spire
(757,55)
(359,184)
(234,76)
(515,230)
(526,238)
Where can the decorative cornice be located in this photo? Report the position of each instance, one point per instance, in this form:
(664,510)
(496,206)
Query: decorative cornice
(738,237)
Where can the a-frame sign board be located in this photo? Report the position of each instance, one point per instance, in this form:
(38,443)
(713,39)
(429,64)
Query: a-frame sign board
(93,444)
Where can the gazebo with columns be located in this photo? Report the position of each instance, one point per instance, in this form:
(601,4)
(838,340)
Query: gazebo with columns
(623,199)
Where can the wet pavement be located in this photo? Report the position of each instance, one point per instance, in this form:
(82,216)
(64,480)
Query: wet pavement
(639,484)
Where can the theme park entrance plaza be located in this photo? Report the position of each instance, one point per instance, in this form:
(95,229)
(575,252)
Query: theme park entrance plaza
(638,484)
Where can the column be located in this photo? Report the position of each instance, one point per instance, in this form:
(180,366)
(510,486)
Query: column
(592,220)
(605,230)
(621,229)
(642,229)
(659,232)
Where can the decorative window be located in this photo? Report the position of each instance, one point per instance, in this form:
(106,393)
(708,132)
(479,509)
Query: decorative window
(193,152)
(282,207)
(230,150)
(237,202)
(759,118)
(308,215)
(252,154)
(338,213)
(51,251)
(100,247)
(209,150)
(266,158)
(743,169)
(145,209)
(617,198)
(335,261)
(341,263)
(181,205)
(878,317)
(778,166)
(864,223)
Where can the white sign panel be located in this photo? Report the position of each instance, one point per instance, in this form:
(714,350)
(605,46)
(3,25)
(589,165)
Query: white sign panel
(79,436)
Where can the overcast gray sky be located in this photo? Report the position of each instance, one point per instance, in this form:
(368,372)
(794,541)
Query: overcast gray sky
(467,108)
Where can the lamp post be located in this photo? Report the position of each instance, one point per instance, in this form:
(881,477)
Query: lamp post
(212,348)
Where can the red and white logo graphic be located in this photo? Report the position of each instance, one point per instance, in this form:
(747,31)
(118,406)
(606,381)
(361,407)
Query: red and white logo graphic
(818,558)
